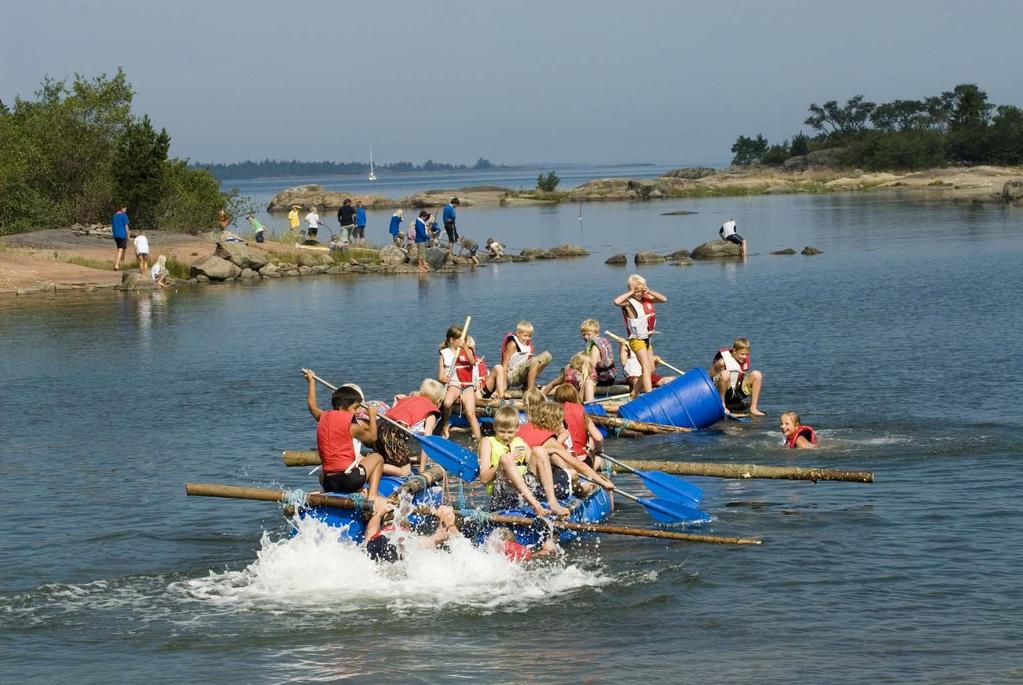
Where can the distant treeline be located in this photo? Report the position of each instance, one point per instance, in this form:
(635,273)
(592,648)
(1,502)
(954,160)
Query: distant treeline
(957,126)
(275,167)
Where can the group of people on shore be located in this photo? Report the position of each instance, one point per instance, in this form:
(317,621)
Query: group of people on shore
(120,225)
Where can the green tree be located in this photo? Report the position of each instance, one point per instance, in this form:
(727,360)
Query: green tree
(138,169)
(840,121)
(800,144)
(899,115)
(775,155)
(547,182)
(748,151)
(1005,136)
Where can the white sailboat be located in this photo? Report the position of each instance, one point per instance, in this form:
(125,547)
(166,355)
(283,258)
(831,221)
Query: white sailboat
(372,174)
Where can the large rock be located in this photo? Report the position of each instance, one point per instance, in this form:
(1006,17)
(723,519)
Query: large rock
(436,257)
(392,254)
(810,250)
(313,258)
(648,258)
(716,249)
(1012,191)
(240,255)
(677,255)
(689,172)
(399,269)
(531,253)
(786,251)
(326,200)
(569,250)
(133,280)
(617,259)
(215,269)
(270,270)
(827,158)
(249,275)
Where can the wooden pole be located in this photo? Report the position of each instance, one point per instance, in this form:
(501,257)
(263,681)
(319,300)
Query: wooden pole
(747,471)
(661,361)
(301,458)
(638,426)
(268,495)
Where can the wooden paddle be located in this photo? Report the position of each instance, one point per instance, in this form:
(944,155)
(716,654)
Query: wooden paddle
(661,361)
(317,500)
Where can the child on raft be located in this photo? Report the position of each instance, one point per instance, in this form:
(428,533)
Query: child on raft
(456,368)
(601,355)
(344,469)
(489,382)
(737,383)
(418,411)
(797,435)
(639,307)
(544,432)
(584,439)
(518,356)
(578,374)
(508,469)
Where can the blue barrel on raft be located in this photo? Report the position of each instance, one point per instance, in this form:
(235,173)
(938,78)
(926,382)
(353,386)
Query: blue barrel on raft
(689,401)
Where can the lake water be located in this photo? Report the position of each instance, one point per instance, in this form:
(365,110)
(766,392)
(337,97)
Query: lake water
(898,344)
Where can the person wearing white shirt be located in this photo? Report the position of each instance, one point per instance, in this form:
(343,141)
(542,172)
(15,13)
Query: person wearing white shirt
(313,222)
(159,272)
(142,252)
(727,232)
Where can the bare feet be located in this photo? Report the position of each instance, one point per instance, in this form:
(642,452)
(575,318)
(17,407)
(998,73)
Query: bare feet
(539,510)
(755,412)
(558,510)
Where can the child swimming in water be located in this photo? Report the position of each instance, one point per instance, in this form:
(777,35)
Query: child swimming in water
(797,436)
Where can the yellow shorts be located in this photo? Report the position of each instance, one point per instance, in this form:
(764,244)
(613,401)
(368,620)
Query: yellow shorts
(639,344)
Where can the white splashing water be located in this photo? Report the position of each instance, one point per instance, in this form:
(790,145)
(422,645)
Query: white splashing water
(315,571)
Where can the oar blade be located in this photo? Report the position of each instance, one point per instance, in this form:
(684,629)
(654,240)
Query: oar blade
(671,487)
(669,511)
(452,457)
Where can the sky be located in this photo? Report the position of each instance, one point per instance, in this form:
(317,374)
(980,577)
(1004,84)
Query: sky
(598,81)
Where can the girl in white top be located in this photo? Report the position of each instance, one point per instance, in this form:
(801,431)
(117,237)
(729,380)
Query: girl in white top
(313,221)
(159,272)
(142,253)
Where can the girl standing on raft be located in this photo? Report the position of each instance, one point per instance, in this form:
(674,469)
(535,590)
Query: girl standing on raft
(456,368)
(638,305)
(797,436)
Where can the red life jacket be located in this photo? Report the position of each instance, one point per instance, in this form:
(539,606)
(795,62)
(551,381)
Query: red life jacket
(463,367)
(412,410)
(334,440)
(575,422)
(574,378)
(534,436)
(804,430)
(646,317)
(516,551)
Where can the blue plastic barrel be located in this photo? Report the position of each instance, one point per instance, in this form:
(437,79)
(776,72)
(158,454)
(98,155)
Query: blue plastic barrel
(689,401)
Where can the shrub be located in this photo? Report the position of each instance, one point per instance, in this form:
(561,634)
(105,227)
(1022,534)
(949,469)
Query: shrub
(547,182)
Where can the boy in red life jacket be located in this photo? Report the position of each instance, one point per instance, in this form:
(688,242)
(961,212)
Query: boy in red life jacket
(519,358)
(545,434)
(456,368)
(344,469)
(601,355)
(797,436)
(734,380)
(580,427)
(418,411)
(638,305)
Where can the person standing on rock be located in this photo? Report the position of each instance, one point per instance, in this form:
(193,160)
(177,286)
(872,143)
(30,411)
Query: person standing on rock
(422,238)
(346,217)
(120,224)
(360,223)
(395,227)
(727,232)
(449,222)
(293,221)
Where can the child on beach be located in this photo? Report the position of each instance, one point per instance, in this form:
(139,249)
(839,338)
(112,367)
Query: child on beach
(159,272)
(456,368)
(599,349)
(638,305)
(797,435)
(577,374)
(344,469)
(418,411)
(395,227)
(495,248)
(471,246)
(735,381)
(421,237)
(519,358)
(507,467)
(142,252)
(581,429)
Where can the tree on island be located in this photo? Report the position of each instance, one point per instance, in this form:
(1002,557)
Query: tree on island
(547,182)
(955,126)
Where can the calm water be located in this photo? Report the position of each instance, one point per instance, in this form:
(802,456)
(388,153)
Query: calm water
(898,344)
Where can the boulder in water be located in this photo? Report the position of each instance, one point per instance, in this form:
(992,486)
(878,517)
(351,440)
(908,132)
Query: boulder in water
(436,257)
(215,269)
(569,250)
(133,280)
(392,254)
(249,275)
(617,259)
(810,250)
(648,258)
(786,251)
(677,255)
(240,255)
(1012,191)
(716,249)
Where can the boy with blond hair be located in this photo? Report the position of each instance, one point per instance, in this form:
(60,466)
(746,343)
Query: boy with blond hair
(509,470)
(639,308)
(519,358)
(737,383)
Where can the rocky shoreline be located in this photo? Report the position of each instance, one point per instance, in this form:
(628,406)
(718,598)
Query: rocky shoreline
(810,174)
